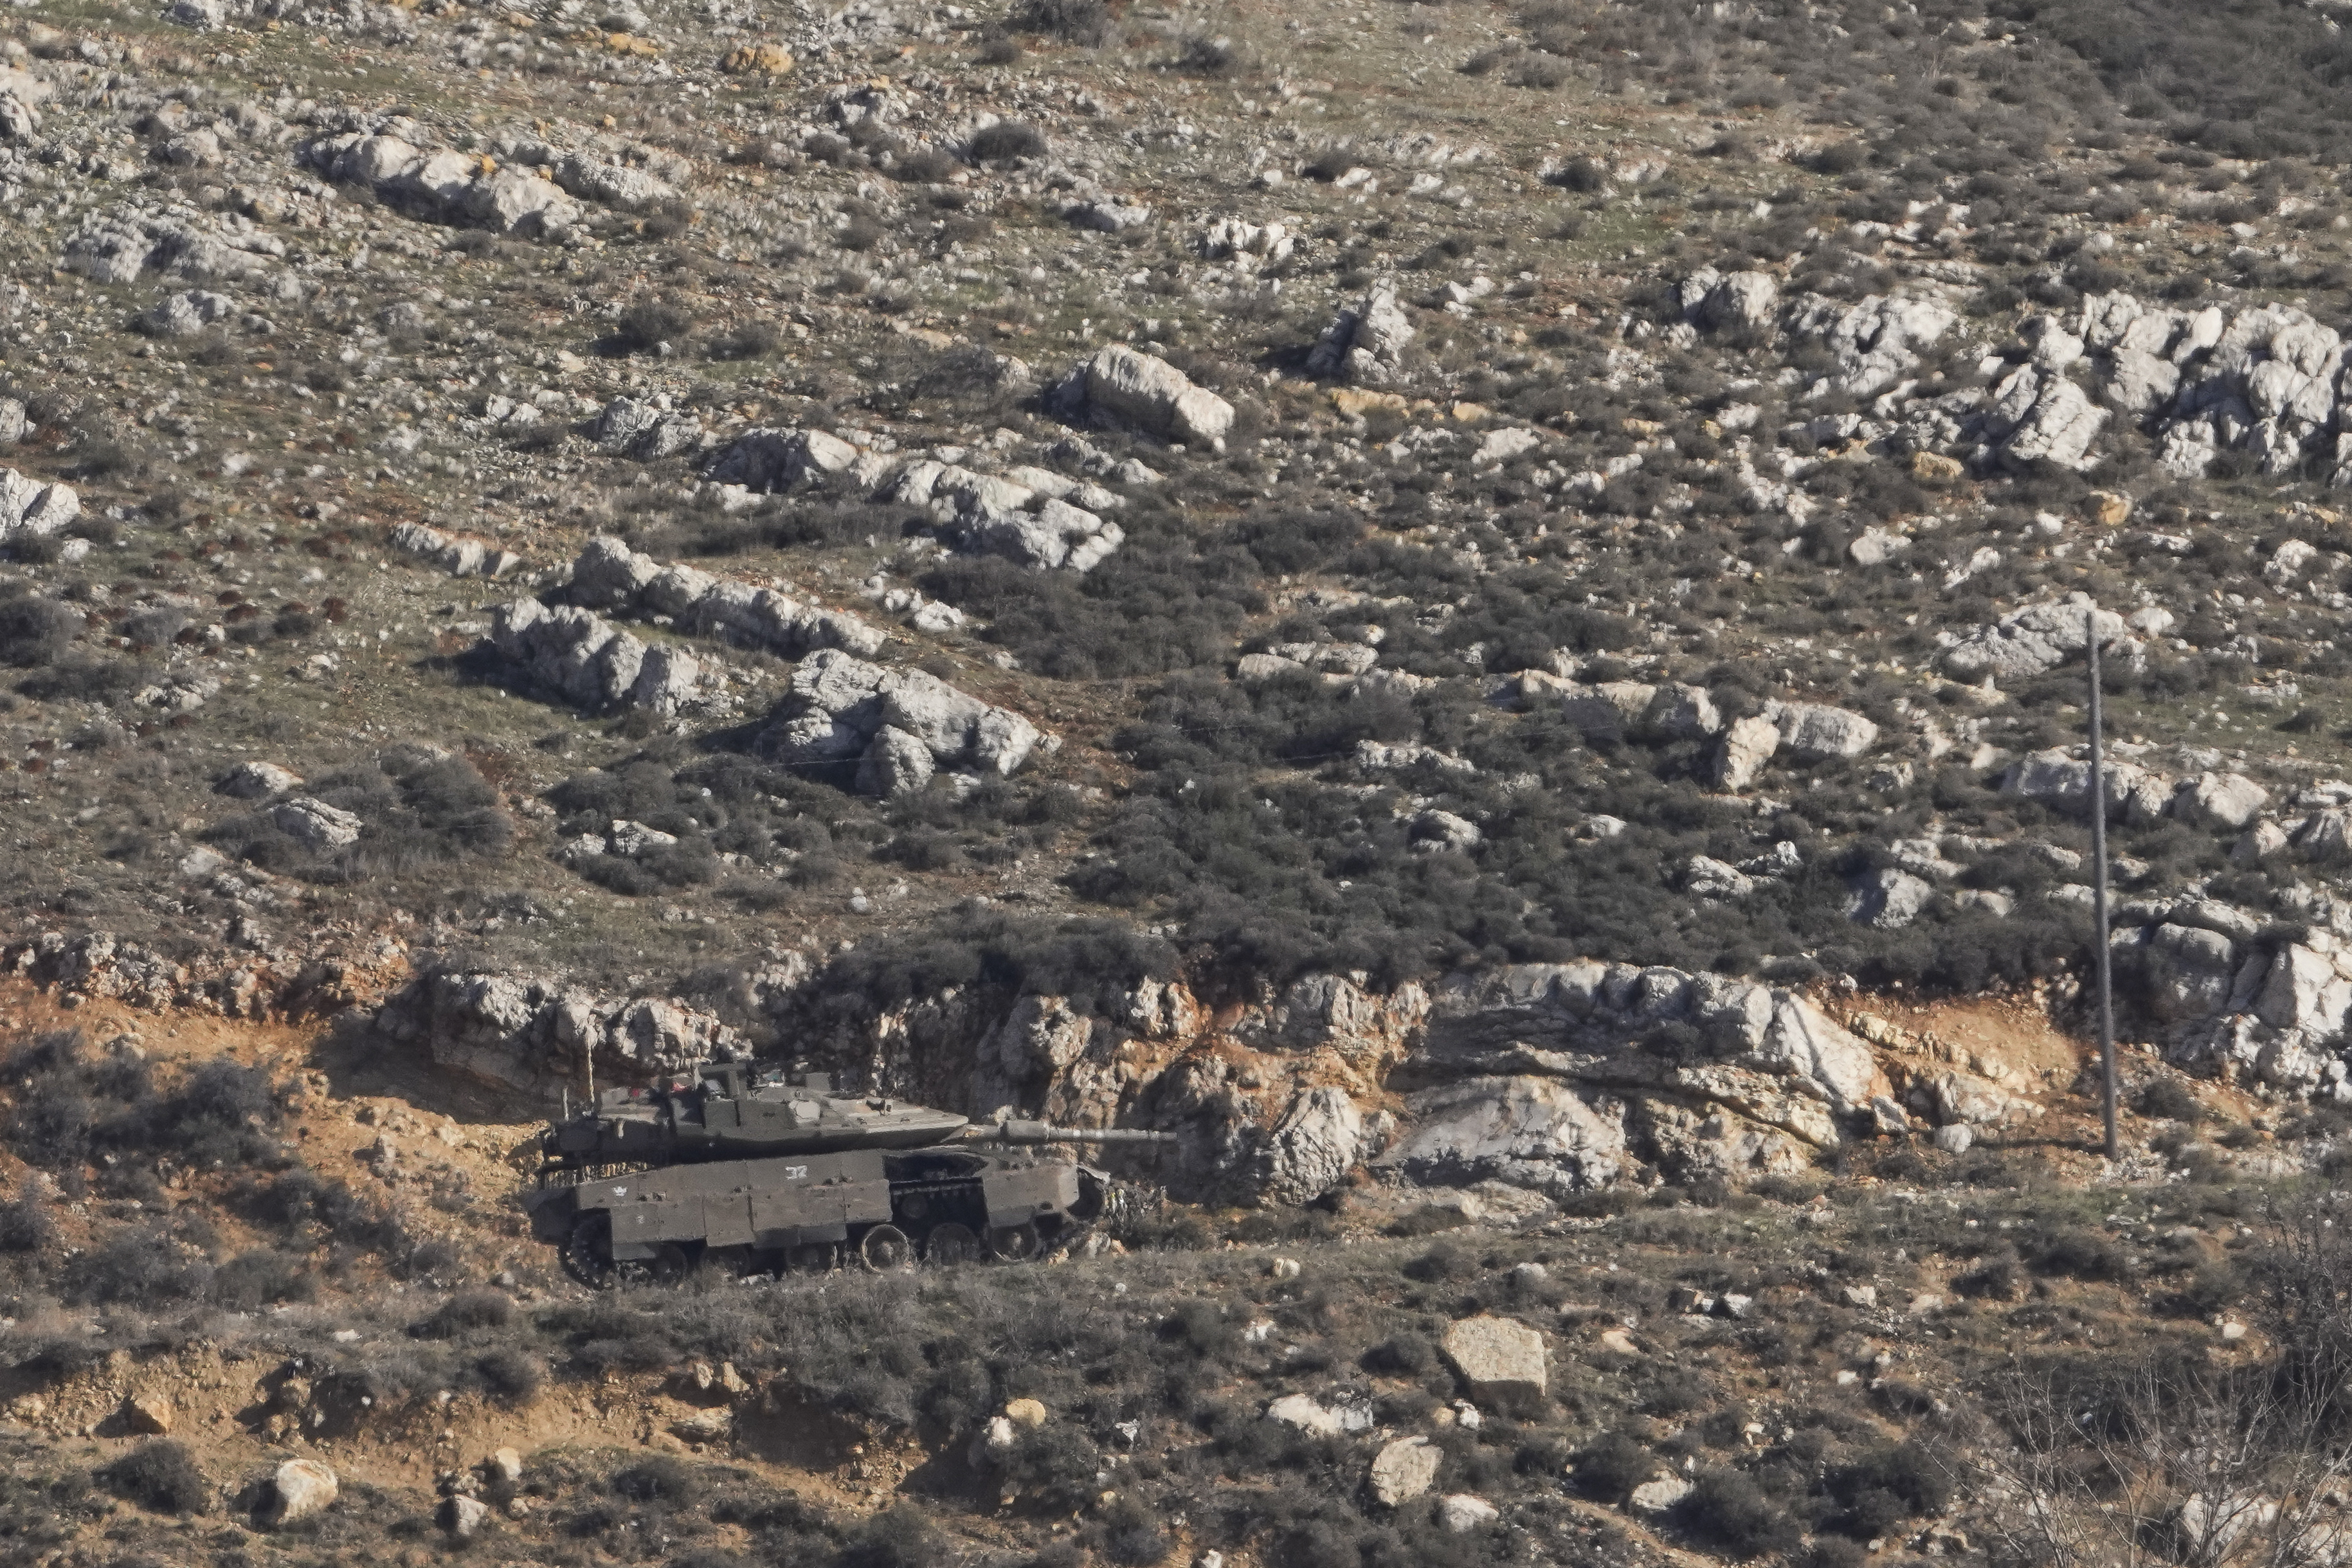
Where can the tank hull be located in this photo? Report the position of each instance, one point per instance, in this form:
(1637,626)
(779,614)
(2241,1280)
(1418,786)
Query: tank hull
(944,1203)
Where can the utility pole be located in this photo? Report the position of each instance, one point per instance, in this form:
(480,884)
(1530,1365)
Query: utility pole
(2099,892)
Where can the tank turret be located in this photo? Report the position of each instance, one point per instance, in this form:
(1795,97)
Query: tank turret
(774,1168)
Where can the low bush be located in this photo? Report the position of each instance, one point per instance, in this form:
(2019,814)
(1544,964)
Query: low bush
(1728,1510)
(161,1476)
(34,630)
(1085,21)
(648,322)
(1006,141)
(465,1312)
(1608,1467)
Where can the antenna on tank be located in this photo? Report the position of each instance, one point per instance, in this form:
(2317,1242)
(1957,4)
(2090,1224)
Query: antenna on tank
(2099,893)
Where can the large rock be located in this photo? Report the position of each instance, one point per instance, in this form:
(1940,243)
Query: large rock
(1319,1138)
(1889,899)
(610,576)
(1144,390)
(1876,342)
(2062,780)
(2038,415)
(577,655)
(896,763)
(1056,534)
(465,1517)
(1302,1412)
(1747,745)
(1607,710)
(1816,730)
(613,184)
(257,781)
(1404,1469)
(2031,641)
(316,825)
(773,459)
(1659,1496)
(186,314)
(1366,343)
(150,1413)
(299,1489)
(2222,801)
(837,704)
(1744,301)
(1497,1358)
(1461,1514)
(525,1033)
(29,507)
(643,431)
(1529,1132)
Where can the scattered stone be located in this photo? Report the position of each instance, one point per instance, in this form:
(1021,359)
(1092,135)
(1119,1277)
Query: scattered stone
(1747,745)
(315,825)
(2030,642)
(1142,390)
(463,1517)
(756,60)
(186,314)
(1889,899)
(458,556)
(2222,801)
(580,657)
(1461,1513)
(1404,1469)
(1659,1496)
(1300,1411)
(28,507)
(1955,1138)
(611,577)
(1497,1358)
(1366,343)
(299,1489)
(257,781)
(149,1413)
(838,705)
(1027,1414)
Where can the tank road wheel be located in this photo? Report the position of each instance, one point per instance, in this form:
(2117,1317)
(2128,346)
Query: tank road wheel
(1014,1243)
(670,1265)
(885,1249)
(950,1243)
(817,1258)
(588,1251)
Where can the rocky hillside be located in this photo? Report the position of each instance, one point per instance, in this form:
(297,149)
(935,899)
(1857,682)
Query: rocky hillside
(1477,609)
(1024,555)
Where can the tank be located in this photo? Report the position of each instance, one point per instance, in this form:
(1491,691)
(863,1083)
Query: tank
(722,1166)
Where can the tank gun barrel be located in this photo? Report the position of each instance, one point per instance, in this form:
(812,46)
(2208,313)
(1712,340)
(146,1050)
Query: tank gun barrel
(1020,1133)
